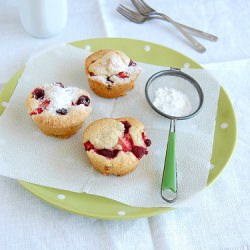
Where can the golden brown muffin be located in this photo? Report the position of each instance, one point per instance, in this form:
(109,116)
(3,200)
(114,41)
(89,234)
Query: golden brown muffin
(111,73)
(57,110)
(115,146)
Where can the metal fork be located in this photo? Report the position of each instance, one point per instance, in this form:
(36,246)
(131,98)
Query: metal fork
(146,10)
(131,15)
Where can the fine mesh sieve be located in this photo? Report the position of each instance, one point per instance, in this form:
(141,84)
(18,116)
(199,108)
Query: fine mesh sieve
(185,86)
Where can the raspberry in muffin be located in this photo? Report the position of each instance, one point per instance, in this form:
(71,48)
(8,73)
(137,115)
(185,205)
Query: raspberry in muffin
(115,146)
(57,110)
(111,73)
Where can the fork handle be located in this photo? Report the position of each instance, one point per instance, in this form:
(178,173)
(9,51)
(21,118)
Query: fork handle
(203,34)
(196,45)
(200,33)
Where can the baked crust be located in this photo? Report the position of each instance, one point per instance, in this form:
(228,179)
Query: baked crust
(108,91)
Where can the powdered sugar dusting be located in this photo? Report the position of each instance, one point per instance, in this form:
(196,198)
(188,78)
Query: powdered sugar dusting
(115,64)
(60,97)
(172,102)
(110,65)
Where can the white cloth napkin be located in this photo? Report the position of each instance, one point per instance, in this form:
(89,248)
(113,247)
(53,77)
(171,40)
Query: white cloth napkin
(27,154)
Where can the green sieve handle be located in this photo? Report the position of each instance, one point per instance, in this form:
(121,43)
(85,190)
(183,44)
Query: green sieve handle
(169,180)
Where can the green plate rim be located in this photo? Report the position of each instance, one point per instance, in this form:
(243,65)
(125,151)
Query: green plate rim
(224,114)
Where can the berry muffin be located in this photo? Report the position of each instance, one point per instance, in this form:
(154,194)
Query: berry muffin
(115,146)
(57,110)
(111,73)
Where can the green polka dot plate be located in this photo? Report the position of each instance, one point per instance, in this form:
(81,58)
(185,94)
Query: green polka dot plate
(103,208)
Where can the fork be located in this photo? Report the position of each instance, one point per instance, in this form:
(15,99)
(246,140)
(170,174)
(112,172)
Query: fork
(131,15)
(135,16)
(146,10)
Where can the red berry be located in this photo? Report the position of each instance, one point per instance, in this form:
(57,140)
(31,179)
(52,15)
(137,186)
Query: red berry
(126,143)
(41,108)
(108,152)
(45,104)
(36,111)
(62,111)
(123,74)
(148,142)
(139,151)
(131,63)
(88,146)
(83,99)
(109,80)
(127,125)
(38,93)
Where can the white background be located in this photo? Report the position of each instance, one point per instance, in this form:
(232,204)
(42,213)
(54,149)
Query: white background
(221,218)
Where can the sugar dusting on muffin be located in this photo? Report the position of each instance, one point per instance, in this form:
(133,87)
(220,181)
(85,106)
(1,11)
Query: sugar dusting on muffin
(116,66)
(111,73)
(59,98)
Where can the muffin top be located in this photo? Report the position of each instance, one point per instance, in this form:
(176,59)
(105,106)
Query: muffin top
(111,63)
(111,66)
(108,137)
(55,99)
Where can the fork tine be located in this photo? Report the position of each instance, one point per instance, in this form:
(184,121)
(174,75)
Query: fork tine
(130,14)
(126,14)
(128,11)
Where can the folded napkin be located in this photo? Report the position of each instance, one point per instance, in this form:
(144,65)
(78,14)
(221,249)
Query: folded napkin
(27,154)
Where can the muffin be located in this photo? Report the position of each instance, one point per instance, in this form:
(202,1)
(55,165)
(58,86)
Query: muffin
(111,73)
(115,146)
(57,110)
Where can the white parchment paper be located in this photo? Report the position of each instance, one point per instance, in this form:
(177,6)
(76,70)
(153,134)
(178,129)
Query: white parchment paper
(27,154)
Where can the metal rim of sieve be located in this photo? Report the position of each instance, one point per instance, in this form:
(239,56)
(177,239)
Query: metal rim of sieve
(177,73)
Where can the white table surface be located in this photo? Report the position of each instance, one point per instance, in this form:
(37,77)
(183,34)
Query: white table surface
(221,218)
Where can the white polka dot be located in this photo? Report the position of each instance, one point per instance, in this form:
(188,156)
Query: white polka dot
(87,47)
(5,104)
(61,196)
(147,48)
(121,213)
(224,125)
(186,65)
(211,166)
